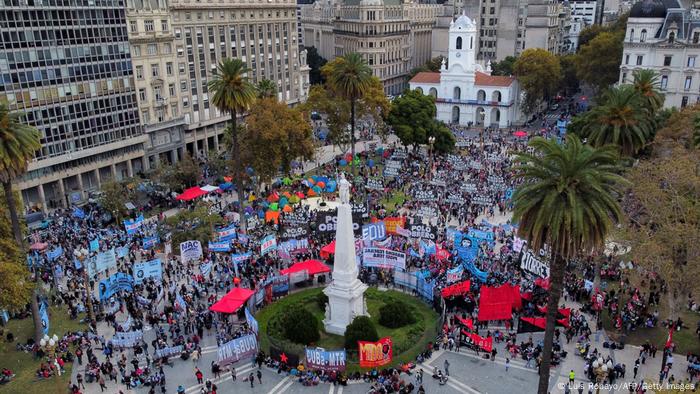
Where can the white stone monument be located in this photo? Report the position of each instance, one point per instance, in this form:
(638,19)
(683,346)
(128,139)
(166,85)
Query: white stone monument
(346,292)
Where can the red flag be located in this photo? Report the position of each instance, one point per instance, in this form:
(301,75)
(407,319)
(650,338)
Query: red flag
(669,341)
(484,343)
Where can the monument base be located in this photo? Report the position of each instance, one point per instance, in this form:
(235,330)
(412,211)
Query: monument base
(346,302)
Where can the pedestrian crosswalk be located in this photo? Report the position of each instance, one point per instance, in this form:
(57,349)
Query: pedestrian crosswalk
(240,372)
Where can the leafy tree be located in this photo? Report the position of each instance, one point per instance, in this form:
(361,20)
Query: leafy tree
(316,63)
(646,84)
(114,197)
(663,225)
(620,119)
(18,142)
(274,136)
(349,77)
(598,62)
(232,93)
(505,67)
(218,162)
(412,117)
(266,89)
(361,329)
(432,65)
(569,80)
(15,286)
(589,33)
(192,224)
(300,326)
(567,201)
(538,73)
(185,173)
(395,314)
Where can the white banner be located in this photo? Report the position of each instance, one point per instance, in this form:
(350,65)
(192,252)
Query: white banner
(383,258)
(190,251)
(530,262)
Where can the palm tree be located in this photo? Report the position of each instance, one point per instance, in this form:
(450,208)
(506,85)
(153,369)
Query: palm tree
(233,93)
(266,89)
(18,143)
(567,201)
(350,77)
(646,83)
(621,119)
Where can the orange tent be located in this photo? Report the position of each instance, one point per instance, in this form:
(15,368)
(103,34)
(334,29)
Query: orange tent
(272,215)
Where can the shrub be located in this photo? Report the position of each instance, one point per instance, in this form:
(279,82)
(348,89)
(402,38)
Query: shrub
(361,329)
(321,300)
(300,326)
(396,314)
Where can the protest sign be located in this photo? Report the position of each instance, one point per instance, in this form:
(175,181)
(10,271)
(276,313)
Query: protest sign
(326,222)
(244,347)
(320,359)
(148,269)
(280,285)
(375,354)
(391,223)
(424,231)
(438,182)
(427,211)
(101,262)
(532,263)
(360,211)
(150,242)
(455,198)
(268,244)
(292,232)
(375,184)
(294,219)
(133,225)
(383,258)
(481,235)
(481,199)
(227,233)
(113,284)
(127,339)
(220,246)
(44,316)
(469,188)
(168,351)
(190,251)
(424,194)
(373,231)
(252,323)
(455,274)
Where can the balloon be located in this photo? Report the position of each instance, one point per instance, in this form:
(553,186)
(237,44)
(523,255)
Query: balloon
(311,181)
(316,189)
(283,201)
(320,184)
(310,193)
(274,206)
(236,281)
(315,178)
(287,208)
(348,157)
(343,162)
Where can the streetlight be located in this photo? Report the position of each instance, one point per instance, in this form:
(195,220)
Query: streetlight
(431,141)
(600,369)
(48,345)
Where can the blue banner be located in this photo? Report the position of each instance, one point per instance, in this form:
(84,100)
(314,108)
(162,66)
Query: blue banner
(227,233)
(480,275)
(222,246)
(94,245)
(54,254)
(252,323)
(320,359)
(205,269)
(44,315)
(481,235)
(373,231)
(78,213)
(150,242)
(466,246)
(77,264)
(122,251)
(148,269)
(113,284)
(102,262)
(268,244)
(424,287)
(132,226)
(242,348)
(243,238)
(180,303)
(428,248)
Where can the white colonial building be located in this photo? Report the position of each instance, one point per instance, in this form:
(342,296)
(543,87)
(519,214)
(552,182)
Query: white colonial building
(466,93)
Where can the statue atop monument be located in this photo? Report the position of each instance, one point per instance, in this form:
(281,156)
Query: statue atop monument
(344,189)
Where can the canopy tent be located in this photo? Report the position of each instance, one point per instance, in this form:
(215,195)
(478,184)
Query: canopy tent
(520,133)
(232,301)
(328,250)
(209,188)
(313,267)
(191,194)
(456,289)
(226,186)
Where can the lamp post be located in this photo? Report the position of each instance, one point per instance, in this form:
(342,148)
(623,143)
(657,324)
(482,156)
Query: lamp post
(48,345)
(431,141)
(600,369)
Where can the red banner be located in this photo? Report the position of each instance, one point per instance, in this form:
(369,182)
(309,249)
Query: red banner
(392,223)
(486,344)
(375,354)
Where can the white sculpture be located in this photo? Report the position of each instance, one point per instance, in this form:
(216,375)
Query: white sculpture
(344,189)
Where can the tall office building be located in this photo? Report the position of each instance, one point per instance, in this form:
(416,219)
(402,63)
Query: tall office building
(65,64)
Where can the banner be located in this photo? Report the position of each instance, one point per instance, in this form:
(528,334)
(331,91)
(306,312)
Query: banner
(190,251)
(373,231)
(486,344)
(268,244)
(226,233)
(44,315)
(78,213)
(424,195)
(383,258)
(280,285)
(424,286)
(205,268)
(54,254)
(481,199)
(518,244)
(113,284)
(293,232)
(481,235)
(102,262)
(325,360)
(294,219)
(423,231)
(150,242)
(94,245)
(294,246)
(220,246)
(245,347)
(530,262)
(392,167)
(375,354)
(455,198)
(392,223)
(299,276)
(469,188)
(375,184)
(122,251)
(252,323)
(326,222)
(127,339)
(427,212)
(148,269)
(239,258)
(455,274)
(133,225)
(168,351)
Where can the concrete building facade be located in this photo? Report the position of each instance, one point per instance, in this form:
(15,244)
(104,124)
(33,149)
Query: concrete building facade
(66,65)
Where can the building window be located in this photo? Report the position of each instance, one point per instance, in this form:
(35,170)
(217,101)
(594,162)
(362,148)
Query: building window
(631,35)
(627,59)
(684,101)
(178,33)
(133,27)
(181,68)
(142,94)
(459,43)
(173,110)
(696,37)
(664,82)
(145,116)
(183,86)
(688,83)
(640,59)
(671,37)
(152,49)
(171,89)
(139,72)
(136,49)
(167,48)
(667,61)
(148,25)
(157,93)
(691,62)
(164,24)
(624,77)
(155,70)
(643,35)
(169,69)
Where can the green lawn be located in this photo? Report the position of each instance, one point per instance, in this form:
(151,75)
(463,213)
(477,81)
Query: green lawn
(392,201)
(408,341)
(24,365)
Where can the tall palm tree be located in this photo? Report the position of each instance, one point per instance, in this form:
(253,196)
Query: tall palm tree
(621,119)
(567,201)
(18,143)
(350,77)
(646,83)
(233,93)
(266,89)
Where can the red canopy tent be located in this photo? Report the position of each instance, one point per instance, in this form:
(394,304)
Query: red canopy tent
(520,133)
(313,267)
(191,194)
(456,289)
(232,301)
(328,250)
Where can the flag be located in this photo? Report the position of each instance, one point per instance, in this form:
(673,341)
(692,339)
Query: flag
(205,268)
(78,213)
(669,340)
(180,303)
